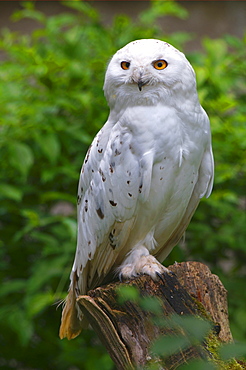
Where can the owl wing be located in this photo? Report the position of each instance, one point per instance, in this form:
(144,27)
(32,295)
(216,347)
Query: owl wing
(202,188)
(206,174)
(113,180)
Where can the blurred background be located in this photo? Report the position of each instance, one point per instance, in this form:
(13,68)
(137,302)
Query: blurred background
(53,57)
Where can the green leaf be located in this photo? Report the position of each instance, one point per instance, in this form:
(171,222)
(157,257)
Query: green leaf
(50,146)
(198,365)
(56,195)
(20,324)
(232,350)
(32,217)
(28,12)
(162,8)
(71,226)
(12,286)
(82,7)
(127,293)
(39,302)
(20,157)
(11,192)
(196,328)
(170,344)
(151,304)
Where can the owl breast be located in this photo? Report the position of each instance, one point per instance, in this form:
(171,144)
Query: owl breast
(170,151)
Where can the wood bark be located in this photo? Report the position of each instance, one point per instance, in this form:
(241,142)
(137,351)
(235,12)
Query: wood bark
(127,331)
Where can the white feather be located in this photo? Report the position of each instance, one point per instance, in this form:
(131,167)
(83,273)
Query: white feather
(145,171)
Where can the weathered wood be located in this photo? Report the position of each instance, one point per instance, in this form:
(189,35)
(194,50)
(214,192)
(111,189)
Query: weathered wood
(207,288)
(127,331)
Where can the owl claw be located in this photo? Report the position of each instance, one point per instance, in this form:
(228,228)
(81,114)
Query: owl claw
(121,277)
(140,262)
(166,271)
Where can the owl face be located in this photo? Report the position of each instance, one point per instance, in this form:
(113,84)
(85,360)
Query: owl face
(147,70)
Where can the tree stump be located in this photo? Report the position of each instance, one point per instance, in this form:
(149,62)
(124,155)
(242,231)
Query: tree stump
(127,331)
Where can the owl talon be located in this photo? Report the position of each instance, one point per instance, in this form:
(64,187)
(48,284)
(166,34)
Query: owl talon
(140,262)
(168,272)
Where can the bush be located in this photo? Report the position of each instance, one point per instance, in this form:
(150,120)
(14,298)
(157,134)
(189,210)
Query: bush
(52,106)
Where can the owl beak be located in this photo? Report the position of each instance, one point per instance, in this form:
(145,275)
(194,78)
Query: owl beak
(139,77)
(141,84)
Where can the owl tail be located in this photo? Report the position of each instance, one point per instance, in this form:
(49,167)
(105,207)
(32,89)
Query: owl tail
(70,322)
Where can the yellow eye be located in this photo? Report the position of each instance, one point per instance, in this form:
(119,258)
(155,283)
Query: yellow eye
(125,65)
(160,64)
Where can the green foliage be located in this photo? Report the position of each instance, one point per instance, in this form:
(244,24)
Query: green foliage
(182,333)
(199,365)
(217,232)
(52,105)
(194,330)
(230,350)
(128,293)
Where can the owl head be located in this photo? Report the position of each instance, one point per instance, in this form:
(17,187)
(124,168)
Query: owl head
(148,71)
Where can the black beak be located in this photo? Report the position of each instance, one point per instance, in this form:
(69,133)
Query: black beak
(141,83)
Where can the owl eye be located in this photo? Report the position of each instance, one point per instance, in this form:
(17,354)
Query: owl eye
(125,65)
(160,64)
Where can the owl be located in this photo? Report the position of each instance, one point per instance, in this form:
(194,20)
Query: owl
(144,173)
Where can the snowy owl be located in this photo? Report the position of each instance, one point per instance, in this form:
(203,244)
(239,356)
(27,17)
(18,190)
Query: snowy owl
(143,175)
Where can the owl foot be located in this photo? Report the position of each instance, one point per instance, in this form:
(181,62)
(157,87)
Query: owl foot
(140,262)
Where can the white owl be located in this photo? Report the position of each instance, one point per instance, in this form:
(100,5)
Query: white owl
(144,174)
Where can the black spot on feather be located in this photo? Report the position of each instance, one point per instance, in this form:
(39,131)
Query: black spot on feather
(86,205)
(102,174)
(100,213)
(111,241)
